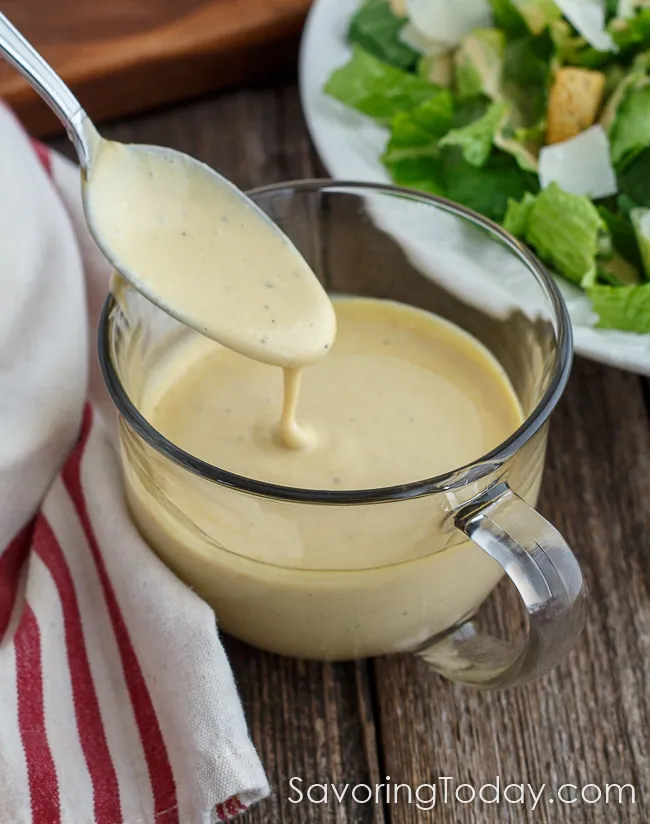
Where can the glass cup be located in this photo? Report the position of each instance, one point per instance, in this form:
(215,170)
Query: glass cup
(334,574)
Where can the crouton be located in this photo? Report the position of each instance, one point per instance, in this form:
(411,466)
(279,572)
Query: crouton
(573,102)
(398,7)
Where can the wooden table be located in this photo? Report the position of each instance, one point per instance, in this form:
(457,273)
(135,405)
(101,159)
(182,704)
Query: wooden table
(586,723)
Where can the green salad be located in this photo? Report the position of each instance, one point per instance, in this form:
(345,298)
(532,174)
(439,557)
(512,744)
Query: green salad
(531,112)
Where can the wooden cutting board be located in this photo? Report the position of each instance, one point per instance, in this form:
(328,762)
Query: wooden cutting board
(124,56)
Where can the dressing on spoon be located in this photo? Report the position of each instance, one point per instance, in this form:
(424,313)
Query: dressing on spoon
(200,250)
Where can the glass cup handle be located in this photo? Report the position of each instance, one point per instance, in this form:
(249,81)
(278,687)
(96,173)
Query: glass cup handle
(548,578)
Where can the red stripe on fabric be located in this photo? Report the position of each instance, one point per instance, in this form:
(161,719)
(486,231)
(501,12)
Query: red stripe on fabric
(43,155)
(11,564)
(232,807)
(220,810)
(106,794)
(160,772)
(41,772)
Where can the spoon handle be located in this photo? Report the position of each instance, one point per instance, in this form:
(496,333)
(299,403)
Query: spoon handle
(41,76)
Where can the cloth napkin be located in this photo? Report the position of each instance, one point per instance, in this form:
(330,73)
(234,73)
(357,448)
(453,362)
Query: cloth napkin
(117,702)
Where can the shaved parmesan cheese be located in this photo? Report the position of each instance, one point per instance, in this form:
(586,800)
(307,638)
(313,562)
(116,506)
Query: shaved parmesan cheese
(588,18)
(418,42)
(580,166)
(448,20)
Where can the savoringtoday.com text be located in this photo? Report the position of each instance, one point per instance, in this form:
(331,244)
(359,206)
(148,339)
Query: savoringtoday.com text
(446,790)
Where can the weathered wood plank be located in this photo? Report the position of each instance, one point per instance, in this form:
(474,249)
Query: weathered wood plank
(310,721)
(588,721)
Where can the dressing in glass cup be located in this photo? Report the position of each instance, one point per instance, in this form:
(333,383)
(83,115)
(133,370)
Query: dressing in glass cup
(287,569)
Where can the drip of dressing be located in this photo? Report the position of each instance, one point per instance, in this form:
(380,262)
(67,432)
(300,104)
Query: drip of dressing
(291,432)
(193,244)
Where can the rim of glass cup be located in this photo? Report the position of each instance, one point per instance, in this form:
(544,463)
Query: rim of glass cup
(473,471)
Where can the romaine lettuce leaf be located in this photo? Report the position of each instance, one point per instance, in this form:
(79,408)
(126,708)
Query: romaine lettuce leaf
(523,144)
(416,134)
(565,230)
(486,190)
(632,33)
(527,76)
(477,139)
(516,219)
(622,307)
(570,47)
(437,69)
(634,182)
(415,159)
(376,88)
(634,78)
(630,132)
(615,73)
(625,205)
(423,172)
(478,64)
(376,28)
(518,17)
(467,111)
(641,222)
(617,271)
(623,236)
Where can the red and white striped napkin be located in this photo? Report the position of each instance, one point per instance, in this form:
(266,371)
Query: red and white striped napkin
(117,703)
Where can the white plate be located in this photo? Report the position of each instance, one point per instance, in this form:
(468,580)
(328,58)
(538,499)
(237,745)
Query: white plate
(350,146)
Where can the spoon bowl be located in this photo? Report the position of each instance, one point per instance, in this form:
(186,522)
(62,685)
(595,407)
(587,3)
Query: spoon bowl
(172,217)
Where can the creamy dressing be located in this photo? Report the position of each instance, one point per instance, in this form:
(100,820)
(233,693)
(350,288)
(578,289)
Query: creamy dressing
(293,434)
(196,246)
(402,396)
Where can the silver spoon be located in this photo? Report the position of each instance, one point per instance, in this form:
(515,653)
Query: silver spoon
(89,145)
(41,76)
